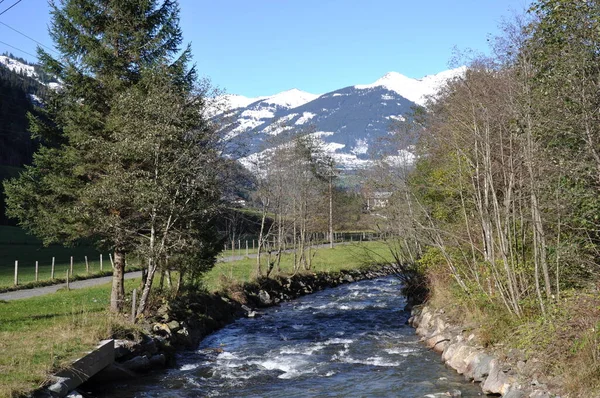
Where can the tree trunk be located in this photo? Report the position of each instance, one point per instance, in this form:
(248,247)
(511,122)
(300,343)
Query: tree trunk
(179,282)
(117,294)
(147,286)
(330,212)
(261,236)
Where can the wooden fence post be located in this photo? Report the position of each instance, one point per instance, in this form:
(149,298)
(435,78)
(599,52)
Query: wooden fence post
(37,271)
(52,269)
(246,248)
(68,280)
(71,268)
(87,265)
(100,262)
(16,272)
(112,263)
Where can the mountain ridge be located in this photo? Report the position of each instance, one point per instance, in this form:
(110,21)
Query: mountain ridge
(349,121)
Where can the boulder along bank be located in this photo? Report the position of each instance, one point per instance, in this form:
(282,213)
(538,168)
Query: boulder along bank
(509,375)
(182,323)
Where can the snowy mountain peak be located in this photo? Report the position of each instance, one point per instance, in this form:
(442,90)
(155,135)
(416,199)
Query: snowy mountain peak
(415,90)
(286,99)
(17,66)
(392,78)
(239,101)
(291,98)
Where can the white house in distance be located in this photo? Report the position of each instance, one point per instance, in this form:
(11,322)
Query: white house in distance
(377,199)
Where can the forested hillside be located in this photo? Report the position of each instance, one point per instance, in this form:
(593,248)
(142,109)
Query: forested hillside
(16,101)
(17,93)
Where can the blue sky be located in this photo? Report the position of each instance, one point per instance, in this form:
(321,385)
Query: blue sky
(262,47)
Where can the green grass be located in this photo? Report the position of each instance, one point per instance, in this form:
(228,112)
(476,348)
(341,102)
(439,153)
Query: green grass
(238,252)
(350,256)
(42,334)
(253,250)
(15,244)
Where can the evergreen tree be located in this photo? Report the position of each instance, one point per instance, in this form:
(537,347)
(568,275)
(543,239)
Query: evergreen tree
(129,160)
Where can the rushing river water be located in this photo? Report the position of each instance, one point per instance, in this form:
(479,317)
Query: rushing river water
(349,341)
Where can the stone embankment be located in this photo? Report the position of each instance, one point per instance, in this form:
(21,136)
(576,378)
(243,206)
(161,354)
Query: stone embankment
(183,323)
(509,376)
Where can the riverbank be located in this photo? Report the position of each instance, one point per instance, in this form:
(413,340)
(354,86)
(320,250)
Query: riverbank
(509,375)
(181,324)
(557,352)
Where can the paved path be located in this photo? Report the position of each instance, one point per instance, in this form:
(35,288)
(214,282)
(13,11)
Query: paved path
(41,291)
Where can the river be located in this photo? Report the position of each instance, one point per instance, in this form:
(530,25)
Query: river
(349,341)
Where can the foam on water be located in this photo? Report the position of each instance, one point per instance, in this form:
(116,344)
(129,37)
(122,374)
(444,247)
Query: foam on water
(338,341)
(309,349)
(190,366)
(227,355)
(372,361)
(291,366)
(402,350)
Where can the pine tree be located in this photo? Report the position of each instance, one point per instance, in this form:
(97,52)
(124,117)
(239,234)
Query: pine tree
(129,160)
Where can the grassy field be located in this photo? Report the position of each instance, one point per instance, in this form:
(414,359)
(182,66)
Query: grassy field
(39,335)
(15,244)
(349,256)
(349,236)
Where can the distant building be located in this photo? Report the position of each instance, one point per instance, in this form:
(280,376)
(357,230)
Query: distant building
(239,202)
(235,200)
(377,200)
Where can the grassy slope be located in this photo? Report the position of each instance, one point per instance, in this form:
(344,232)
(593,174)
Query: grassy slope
(39,335)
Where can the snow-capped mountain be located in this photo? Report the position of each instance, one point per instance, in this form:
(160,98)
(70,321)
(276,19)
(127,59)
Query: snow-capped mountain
(350,121)
(291,98)
(25,69)
(415,90)
(17,66)
(233,101)
(239,118)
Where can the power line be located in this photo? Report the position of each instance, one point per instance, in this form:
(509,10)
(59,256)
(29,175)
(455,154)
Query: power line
(18,1)
(18,49)
(30,38)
